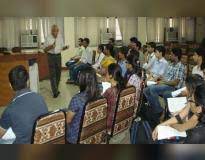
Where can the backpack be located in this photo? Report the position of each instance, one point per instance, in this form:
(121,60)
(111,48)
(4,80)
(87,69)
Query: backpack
(140,132)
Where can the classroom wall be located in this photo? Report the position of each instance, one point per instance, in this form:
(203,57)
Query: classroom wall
(69,33)
(200,29)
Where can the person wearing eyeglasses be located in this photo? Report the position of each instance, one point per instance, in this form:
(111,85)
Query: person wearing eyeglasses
(194,111)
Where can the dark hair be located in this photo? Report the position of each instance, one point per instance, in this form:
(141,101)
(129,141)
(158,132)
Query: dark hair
(112,40)
(18,77)
(199,97)
(201,52)
(80,39)
(133,60)
(124,50)
(101,47)
(109,47)
(115,70)
(86,40)
(139,44)
(87,81)
(134,39)
(192,82)
(177,52)
(135,53)
(152,45)
(161,49)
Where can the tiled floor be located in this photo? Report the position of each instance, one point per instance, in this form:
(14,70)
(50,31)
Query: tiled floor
(67,92)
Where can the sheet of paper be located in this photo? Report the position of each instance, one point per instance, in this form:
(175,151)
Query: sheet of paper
(106,85)
(178,92)
(9,135)
(166,132)
(176,104)
(149,83)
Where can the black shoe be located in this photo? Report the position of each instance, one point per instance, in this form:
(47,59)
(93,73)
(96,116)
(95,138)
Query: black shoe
(56,95)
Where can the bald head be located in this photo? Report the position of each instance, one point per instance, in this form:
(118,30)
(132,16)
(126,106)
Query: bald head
(54,31)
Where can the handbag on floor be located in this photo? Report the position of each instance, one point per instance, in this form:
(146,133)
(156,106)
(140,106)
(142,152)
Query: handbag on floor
(140,132)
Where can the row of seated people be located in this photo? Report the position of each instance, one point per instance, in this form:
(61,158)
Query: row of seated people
(170,75)
(172,78)
(27,106)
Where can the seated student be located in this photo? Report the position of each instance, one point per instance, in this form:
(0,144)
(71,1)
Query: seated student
(107,60)
(85,61)
(159,65)
(115,49)
(133,75)
(78,55)
(88,92)
(113,76)
(134,46)
(150,55)
(172,79)
(100,57)
(122,54)
(24,109)
(71,63)
(199,59)
(194,110)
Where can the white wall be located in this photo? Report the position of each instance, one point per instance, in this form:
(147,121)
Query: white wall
(69,33)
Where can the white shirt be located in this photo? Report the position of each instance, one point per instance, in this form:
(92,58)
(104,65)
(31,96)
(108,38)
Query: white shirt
(197,70)
(59,44)
(87,56)
(151,60)
(159,67)
(98,62)
(80,51)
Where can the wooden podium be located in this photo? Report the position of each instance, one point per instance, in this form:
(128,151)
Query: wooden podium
(6,92)
(41,59)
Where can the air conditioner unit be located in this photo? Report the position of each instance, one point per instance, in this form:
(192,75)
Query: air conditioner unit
(171,34)
(104,37)
(29,40)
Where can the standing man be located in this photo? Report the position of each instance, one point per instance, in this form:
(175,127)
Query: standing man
(53,46)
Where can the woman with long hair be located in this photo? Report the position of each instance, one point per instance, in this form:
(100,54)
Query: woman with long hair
(114,76)
(199,59)
(89,91)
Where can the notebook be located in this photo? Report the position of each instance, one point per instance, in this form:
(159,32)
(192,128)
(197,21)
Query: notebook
(106,85)
(166,132)
(9,137)
(149,83)
(176,104)
(178,92)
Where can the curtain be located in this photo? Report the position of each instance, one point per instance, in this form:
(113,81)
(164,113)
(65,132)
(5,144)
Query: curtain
(151,29)
(156,26)
(89,27)
(12,27)
(92,27)
(128,28)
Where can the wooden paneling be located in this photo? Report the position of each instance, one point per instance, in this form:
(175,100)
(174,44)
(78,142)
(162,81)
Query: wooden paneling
(6,92)
(41,58)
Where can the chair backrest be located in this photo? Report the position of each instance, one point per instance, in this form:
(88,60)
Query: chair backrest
(93,127)
(124,111)
(50,128)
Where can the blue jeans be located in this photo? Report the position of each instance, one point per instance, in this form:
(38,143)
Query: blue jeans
(153,92)
(75,70)
(70,64)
